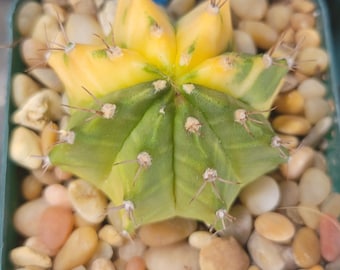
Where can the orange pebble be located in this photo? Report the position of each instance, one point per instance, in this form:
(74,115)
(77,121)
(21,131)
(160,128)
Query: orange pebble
(136,263)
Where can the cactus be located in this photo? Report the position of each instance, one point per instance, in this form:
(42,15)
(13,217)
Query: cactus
(167,120)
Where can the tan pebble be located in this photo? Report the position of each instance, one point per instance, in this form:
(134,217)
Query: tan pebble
(315,186)
(55,11)
(278,16)
(79,221)
(244,43)
(263,35)
(199,239)
(291,125)
(37,244)
(306,247)
(172,257)
(83,37)
(241,228)
(166,232)
(24,148)
(26,217)
(310,214)
(225,254)
(253,267)
(109,234)
(46,177)
(33,52)
(31,188)
(56,195)
(261,196)
(44,22)
(48,78)
(102,264)
(311,61)
(61,175)
(309,37)
(320,161)
(22,88)
(290,142)
(316,267)
(136,263)
(87,200)
(316,109)
(83,6)
(318,132)
(289,83)
(120,264)
(299,160)
(131,249)
(301,21)
(26,17)
(275,227)
(178,8)
(289,193)
(331,205)
(294,215)
(78,249)
(25,256)
(249,9)
(305,6)
(49,137)
(312,87)
(290,103)
(104,250)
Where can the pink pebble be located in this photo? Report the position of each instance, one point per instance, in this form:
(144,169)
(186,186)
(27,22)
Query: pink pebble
(329,237)
(56,194)
(136,263)
(56,224)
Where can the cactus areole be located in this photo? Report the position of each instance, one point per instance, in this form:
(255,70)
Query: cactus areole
(165,119)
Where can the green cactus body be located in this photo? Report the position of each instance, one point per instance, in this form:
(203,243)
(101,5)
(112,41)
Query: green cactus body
(165,125)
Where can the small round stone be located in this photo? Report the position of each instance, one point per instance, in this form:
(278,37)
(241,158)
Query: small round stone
(249,9)
(312,61)
(311,88)
(136,263)
(331,205)
(25,256)
(131,249)
(290,103)
(261,196)
(291,124)
(31,187)
(56,194)
(200,239)
(166,232)
(275,227)
(109,234)
(289,193)
(316,109)
(27,15)
(225,254)
(23,87)
(306,247)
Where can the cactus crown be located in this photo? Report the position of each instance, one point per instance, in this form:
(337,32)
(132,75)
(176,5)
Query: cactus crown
(166,120)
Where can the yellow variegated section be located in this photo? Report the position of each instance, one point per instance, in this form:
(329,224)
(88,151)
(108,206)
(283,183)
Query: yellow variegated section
(143,26)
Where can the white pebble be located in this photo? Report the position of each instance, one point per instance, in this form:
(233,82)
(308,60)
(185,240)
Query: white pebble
(261,196)
(48,78)
(318,131)
(331,205)
(27,16)
(312,87)
(44,22)
(249,9)
(199,239)
(244,43)
(316,109)
(109,234)
(23,87)
(25,256)
(131,249)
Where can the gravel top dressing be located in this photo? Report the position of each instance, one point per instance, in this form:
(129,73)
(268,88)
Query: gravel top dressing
(191,135)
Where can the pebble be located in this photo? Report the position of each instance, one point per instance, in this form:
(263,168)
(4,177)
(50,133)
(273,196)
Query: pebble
(316,109)
(265,253)
(55,11)
(48,78)
(86,7)
(45,21)
(49,137)
(25,256)
(320,161)
(263,35)
(31,188)
(306,248)
(55,225)
(78,249)
(33,52)
(291,125)
(131,249)
(318,131)
(87,200)
(24,148)
(278,16)
(166,232)
(290,103)
(37,244)
(329,231)
(242,226)
(312,61)
(331,205)
(300,21)
(136,263)
(27,16)
(106,16)
(289,191)
(312,87)
(56,195)
(22,88)
(261,196)
(310,214)
(46,177)
(178,8)
(103,250)
(199,239)
(304,6)
(244,43)
(275,227)
(109,234)
(249,9)
(226,254)
(299,160)
(310,37)
(102,264)
(290,83)
(83,37)
(315,186)
(335,265)
(26,217)
(172,257)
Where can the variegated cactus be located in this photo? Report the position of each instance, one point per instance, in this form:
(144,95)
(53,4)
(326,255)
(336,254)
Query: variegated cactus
(167,120)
